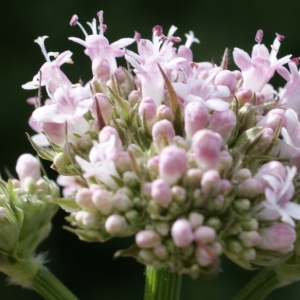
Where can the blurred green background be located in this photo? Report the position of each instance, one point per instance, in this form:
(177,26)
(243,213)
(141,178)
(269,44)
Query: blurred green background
(90,269)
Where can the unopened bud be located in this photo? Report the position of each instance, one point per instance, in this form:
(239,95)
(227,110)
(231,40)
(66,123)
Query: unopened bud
(182,233)
(196,219)
(206,146)
(161,192)
(249,238)
(28,166)
(172,164)
(164,112)
(147,239)
(204,255)
(210,183)
(122,202)
(116,225)
(249,188)
(147,110)
(228,79)
(196,117)
(84,198)
(102,199)
(204,235)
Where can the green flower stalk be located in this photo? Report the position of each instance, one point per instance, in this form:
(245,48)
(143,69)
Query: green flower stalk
(26,212)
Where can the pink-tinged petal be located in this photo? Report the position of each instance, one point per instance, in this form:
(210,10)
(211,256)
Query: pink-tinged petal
(79,41)
(221,92)
(271,180)
(135,56)
(84,165)
(83,107)
(134,63)
(286,137)
(281,61)
(283,72)
(271,197)
(242,59)
(181,89)
(293,209)
(44,113)
(172,63)
(286,218)
(40,139)
(63,58)
(260,50)
(145,48)
(217,104)
(121,43)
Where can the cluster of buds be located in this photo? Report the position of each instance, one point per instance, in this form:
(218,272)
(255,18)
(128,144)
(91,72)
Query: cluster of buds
(191,159)
(25,215)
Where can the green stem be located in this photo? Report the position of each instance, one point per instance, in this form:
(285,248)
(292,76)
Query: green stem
(48,286)
(162,284)
(260,286)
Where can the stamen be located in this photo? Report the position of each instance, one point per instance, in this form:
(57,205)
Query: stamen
(259,36)
(175,39)
(40,41)
(93,26)
(101,19)
(137,36)
(190,39)
(157,30)
(74,21)
(295,60)
(280,37)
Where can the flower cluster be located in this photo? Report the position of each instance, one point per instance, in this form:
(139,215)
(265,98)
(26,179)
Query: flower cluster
(190,158)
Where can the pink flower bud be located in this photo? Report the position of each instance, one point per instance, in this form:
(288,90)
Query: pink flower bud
(225,161)
(147,110)
(84,198)
(134,97)
(28,166)
(249,238)
(102,199)
(161,192)
(182,233)
(244,95)
(106,133)
(196,117)
(249,188)
(164,112)
(122,161)
(279,237)
(147,239)
(204,235)
(163,129)
(223,122)
(122,202)
(88,219)
(243,174)
(226,78)
(172,164)
(153,163)
(196,219)
(210,182)
(101,69)
(116,225)
(193,177)
(273,118)
(104,105)
(206,146)
(205,255)
(225,187)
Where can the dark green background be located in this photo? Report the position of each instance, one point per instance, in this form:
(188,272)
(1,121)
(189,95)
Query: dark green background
(89,269)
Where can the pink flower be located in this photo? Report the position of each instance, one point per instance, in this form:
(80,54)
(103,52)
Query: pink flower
(258,69)
(278,195)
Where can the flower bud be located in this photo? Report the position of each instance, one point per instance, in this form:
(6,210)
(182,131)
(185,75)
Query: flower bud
(102,199)
(228,79)
(105,135)
(243,174)
(147,239)
(178,194)
(182,233)
(161,252)
(204,255)
(88,219)
(196,117)
(249,238)
(152,164)
(147,110)
(116,225)
(162,130)
(100,69)
(122,202)
(223,122)
(28,166)
(196,219)
(61,161)
(84,198)
(244,95)
(104,105)
(204,235)
(134,97)
(164,112)
(122,161)
(249,188)
(273,118)
(279,237)
(161,192)
(210,183)
(225,187)
(206,146)
(162,228)
(193,177)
